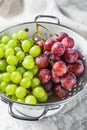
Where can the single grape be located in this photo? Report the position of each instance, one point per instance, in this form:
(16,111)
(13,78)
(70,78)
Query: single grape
(47,53)
(14,36)
(5,39)
(3,65)
(6,77)
(16,77)
(28,63)
(77,67)
(2,46)
(68,42)
(70,55)
(41,61)
(21,70)
(17,49)
(28,74)
(55,77)
(48,86)
(38,92)
(30,99)
(12,60)
(48,44)
(20,55)
(25,82)
(10,68)
(69,80)
(41,44)
(35,82)
(58,49)
(1,53)
(59,91)
(26,45)
(20,92)
(61,36)
(43,99)
(34,70)
(14,97)
(21,34)
(12,43)
(31,41)
(21,100)
(35,51)
(59,68)
(54,58)
(3,86)
(44,75)
(10,89)
(9,51)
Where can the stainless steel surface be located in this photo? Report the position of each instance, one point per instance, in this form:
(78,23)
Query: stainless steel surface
(53,105)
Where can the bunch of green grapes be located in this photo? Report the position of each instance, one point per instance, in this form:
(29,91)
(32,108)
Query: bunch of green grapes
(18,71)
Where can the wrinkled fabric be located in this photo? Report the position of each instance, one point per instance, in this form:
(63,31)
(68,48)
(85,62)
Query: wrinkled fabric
(70,13)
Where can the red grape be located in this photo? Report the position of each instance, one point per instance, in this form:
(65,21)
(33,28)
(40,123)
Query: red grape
(41,61)
(59,91)
(55,78)
(79,54)
(70,55)
(48,44)
(41,44)
(68,80)
(44,75)
(61,36)
(54,58)
(48,86)
(77,67)
(58,48)
(60,68)
(47,53)
(68,42)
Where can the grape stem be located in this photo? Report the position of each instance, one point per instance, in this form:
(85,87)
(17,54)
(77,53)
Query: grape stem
(38,33)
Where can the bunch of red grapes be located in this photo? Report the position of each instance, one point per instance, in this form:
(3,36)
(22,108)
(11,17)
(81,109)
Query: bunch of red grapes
(60,64)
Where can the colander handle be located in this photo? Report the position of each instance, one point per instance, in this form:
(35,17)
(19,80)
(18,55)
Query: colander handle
(37,18)
(29,118)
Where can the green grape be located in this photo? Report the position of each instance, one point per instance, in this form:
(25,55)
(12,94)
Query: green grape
(14,97)
(12,43)
(14,36)
(3,86)
(38,92)
(28,63)
(29,57)
(21,100)
(3,65)
(5,39)
(6,77)
(25,82)
(16,77)
(1,53)
(30,99)
(20,92)
(28,74)
(10,68)
(12,60)
(34,70)
(0,77)
(21,70)
(21,34)
(9,51)
(35,51)
(31,41)
(17,49)
(20,55)
(43,99)
(26,45)
(2,46)
(10,89)
(35,82)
